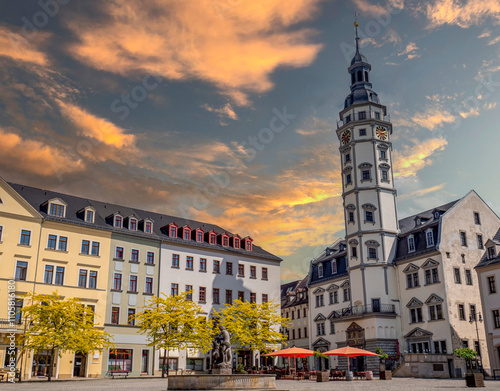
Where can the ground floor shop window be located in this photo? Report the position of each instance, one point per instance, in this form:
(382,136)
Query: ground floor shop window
(41,364)
(195,363)
(120,360)
(170,363)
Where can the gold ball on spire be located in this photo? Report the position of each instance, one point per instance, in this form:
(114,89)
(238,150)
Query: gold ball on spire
(356,24)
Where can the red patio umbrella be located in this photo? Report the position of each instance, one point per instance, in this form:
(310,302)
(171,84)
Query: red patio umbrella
(291,352)
(350,352)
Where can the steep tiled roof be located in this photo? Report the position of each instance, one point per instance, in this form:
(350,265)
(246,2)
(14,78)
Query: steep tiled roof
(408,223)
(37,197)
(493,261)
(299,287)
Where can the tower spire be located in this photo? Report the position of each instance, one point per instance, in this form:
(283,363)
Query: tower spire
(356,24)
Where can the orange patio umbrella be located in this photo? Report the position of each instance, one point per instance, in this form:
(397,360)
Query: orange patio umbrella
(291,352)
(350,352)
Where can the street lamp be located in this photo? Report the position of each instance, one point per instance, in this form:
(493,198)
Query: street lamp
(474,319)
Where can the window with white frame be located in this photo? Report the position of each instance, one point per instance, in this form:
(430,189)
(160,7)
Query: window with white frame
(173,231)
(148,288)
(416,315)
(429,237)
(347,294)
(491,252)
(148,227)
(332,327)
(411,243)
(436,312)
(89,215)
(320,270)
(132,224)
(334,266)
(57,209)
(118,221)
(320,328)
(412,280)
(21,270)
(1,233)
(25,239)
(320,300)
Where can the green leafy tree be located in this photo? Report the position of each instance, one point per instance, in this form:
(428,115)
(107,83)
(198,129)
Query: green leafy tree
(465,353)
(173,322)
(61,325)
(253,326)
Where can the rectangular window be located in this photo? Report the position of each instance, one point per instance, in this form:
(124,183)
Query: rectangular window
(253,297)
(468,277)
(372,252)
(118,222)
(148,227)
(150,258)
(225,241)
(248,245)
(51,244)
(362,115)
(347,157)
(362,132)
(491,252)
(477,220)
(347,294)
(59,275)
(305,332)
(465,343)
(216,266)
(377,115)
(480,242)
(95,248)
(365,175)
(134,255)
(49,274)
(175,260)
(174,289)
(472,311)
(354,252)
(416,315)
(458,279)
(216,296)
(369,216)
(199,236)
(63,243)
(119,253)
(463,238)
(412,280)
(431,276)
(496,318)
(385,175)
(241,270)
(189,263)
(92,279)
(82,279)
(435,312)
(149,285)
(351,217)
(131,317)
(265,299)
(253,272)
(411,243)
(348,179)
(187,234)
(173,232)
(115,315)
(213,239)
(18,305)
(430,238)
(383,154)
(203,294)
(293,334)
(299,330)
(229,268)
(477,347)
(330,296)
(21,270)
(1,233)
(132,225)
(241,295)
(189,292)
(492,285)
(229,296)
(461,312)
(121,359)
(133,284)
(117,282)
(203,265)
(57,210)
(89,216)
(264,273)
(25,237)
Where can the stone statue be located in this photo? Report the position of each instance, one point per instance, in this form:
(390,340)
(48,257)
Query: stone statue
(221,348)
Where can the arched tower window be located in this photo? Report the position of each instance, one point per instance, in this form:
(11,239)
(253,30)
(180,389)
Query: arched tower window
(366,76)
(360,76)
(353,80)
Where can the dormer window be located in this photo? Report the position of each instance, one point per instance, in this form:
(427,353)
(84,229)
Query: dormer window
(334,266)
(118,221)
(212,238)
(172,231)
(429,237)
(320,270)
(236,242)
(248,244)
(199,235)
(491,252)
(148,227)
(187,233)
(225,239)
(132,224)
(89,216)
(411,244)
(57,208)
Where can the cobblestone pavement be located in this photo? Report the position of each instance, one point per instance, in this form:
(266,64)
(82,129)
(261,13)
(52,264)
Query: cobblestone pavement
(158,384)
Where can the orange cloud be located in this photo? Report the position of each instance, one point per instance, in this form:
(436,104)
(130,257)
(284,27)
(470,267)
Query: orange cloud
(235,46)
(35,157)
(433,117)
(97,128)
(17,47)
(460,13)
(421,192)
(412,159)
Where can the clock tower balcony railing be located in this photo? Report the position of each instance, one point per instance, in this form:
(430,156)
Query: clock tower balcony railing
(363,116)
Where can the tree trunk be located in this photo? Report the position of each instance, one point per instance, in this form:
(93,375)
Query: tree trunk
(163,366)
(49,377)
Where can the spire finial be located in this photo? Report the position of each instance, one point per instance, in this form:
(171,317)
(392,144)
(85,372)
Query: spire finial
(356,24)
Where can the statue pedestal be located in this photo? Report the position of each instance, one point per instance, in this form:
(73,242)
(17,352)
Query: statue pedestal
(222,382)
(222,371)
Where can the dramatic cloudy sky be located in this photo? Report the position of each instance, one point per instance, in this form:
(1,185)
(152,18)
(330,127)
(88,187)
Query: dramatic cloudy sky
(156,104)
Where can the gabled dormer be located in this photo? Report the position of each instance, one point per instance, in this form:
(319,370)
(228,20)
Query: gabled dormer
(186,232)
(248,243)
(131,222)
(224,239)
(116,219)
(211,237)
(55,207)
(198,235)
(235,241)
(147,225)
(87,214)
(492,248)
(172,230)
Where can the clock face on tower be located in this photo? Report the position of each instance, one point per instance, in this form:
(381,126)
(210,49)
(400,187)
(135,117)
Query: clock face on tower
(381,132)
(346,136)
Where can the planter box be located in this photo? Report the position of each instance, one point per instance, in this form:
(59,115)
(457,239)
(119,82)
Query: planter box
(323,376)
(474,380)
(385,375)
